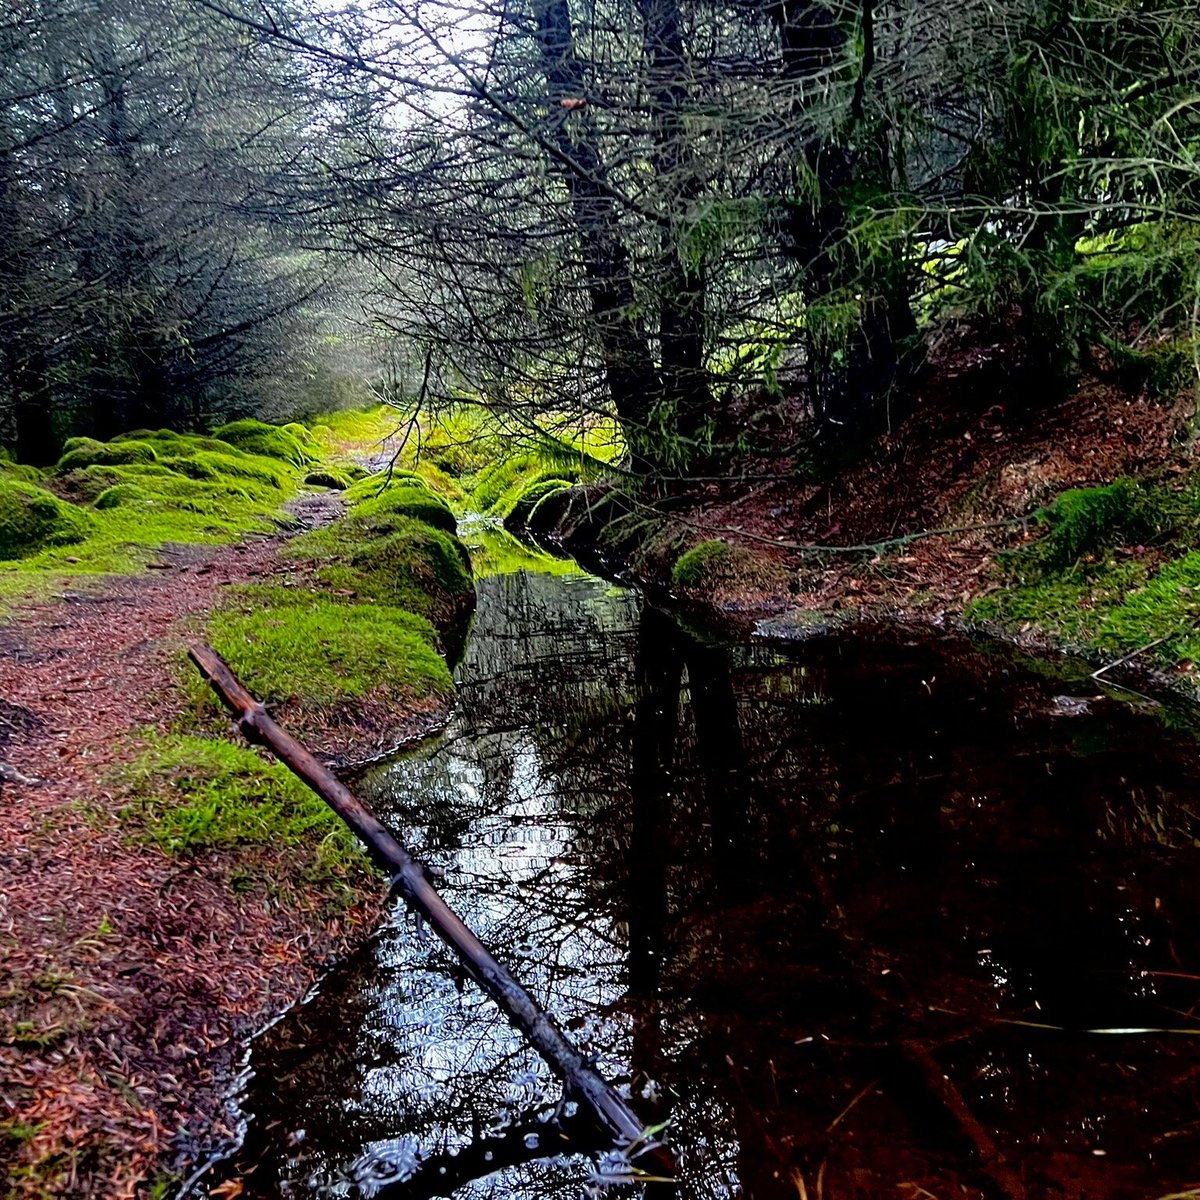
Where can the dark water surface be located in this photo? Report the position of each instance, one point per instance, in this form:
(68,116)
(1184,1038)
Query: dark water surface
(835,912)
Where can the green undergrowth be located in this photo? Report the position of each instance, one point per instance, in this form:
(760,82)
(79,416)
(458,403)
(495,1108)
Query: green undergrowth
(1115,573)
(188,794)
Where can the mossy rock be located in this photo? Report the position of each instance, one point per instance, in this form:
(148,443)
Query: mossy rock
(33,519)
(419,568)
(327,479)
(123,495)
(86,452)
(257,437)
(703,566)
(1086,521)
(419,504)
(521,512)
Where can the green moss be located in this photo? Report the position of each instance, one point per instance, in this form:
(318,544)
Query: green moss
(372,486)
(257,437)
(499,490)
(289,645)
(192,794)
(304,436)
(419,503)
(20,472)
(1086,521)
(207,465)
(172,444)
(530,498)
(122,494)
(327,478)
(703,565)
(400,561)
(86,484)
(85,452)
(33,519)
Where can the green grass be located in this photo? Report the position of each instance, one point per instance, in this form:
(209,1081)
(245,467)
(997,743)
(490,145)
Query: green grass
(190,794)
(290,645)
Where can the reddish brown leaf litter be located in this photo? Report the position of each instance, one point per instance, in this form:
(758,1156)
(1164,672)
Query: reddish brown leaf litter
(968,456)
(127,978)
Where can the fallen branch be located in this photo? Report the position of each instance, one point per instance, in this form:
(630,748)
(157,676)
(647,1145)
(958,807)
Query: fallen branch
(582,1081)
(869,547)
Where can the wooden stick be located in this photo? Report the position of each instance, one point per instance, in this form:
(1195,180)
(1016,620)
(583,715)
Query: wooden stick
(581,1079)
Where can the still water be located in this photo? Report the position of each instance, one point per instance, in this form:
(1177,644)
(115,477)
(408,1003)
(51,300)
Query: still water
(840,914)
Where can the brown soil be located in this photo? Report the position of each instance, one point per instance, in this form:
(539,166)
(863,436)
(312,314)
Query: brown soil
(128,978)
(959,462)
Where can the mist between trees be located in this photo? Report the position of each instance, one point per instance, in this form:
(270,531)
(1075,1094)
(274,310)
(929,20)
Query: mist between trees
(683,213)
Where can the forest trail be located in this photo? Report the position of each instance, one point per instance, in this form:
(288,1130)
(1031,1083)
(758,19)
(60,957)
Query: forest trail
(128,975)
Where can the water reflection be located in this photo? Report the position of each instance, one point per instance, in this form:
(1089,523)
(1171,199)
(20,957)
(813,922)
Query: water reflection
(779,898)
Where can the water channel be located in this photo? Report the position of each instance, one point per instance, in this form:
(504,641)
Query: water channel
(767,886)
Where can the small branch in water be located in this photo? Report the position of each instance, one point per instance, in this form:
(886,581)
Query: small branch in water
(612,1112)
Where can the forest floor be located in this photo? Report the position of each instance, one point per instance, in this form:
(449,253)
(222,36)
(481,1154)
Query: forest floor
(130,976)
(862,541)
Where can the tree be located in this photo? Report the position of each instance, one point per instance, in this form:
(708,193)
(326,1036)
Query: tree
(154,270)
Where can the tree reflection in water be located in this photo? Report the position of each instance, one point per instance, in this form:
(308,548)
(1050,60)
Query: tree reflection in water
(742,879)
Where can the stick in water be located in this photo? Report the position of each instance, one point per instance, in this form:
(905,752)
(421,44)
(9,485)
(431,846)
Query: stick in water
(581,1079)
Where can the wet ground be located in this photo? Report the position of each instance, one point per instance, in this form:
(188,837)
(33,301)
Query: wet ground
(879,914)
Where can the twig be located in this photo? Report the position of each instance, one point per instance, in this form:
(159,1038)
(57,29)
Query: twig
(864,547)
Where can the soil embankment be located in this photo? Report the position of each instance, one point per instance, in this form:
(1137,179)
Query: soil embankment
(992,511)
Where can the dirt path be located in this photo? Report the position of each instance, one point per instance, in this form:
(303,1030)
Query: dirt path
(127,977)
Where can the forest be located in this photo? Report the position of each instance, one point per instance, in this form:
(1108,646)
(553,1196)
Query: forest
(718,478)
(677,214)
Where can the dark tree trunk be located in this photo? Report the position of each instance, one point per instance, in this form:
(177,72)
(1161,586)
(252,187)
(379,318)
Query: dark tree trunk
(628,364)
(682,283)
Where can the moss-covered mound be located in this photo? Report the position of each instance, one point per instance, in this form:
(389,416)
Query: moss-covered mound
(213,467)
(122,495)
(419,503)
(87,452)
(273,441)
(419,568)
(1085,521)
(371,487)
(33,519)
(327,478)
(704,565)
(530,498)
(171,444)
(19,471)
